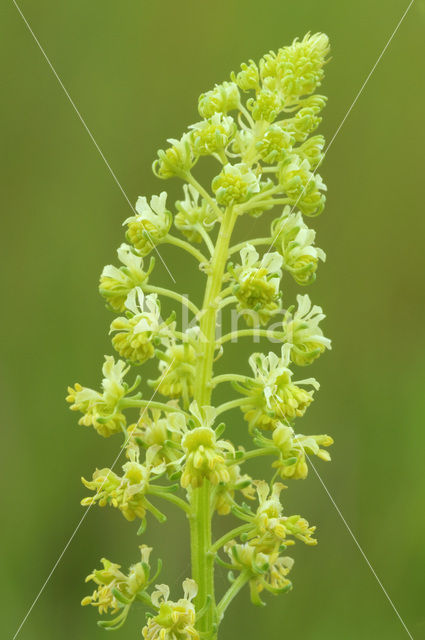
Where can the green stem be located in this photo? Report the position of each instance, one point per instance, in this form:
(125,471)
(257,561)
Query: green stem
(254,242)
(206,237)
(244,528)
(182,244)
(201,497)
(233,591)
(155,491)
(175,296)
(266,333)
(226,302)
(232,404)
(127,403)
(255,453)
(229,377)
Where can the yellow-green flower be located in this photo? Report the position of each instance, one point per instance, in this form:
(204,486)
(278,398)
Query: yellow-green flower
(205,458)
(177,160)
(306,119)
(302,332)
(225,492)
(302,187)
(236,183)
(175,620)
(102,409)
(267,571)
(248,77)
(299,67)
(257,285)
(295,242)
(293,449)
(266,106)
(312,151)
(116,283)
(163,432)
(116,591)
(272,528)
(177,366)
(193,214)
(213,134)
(150,225)
(127,492)
(271,394)
(274,145)
(137,333)
(223,98)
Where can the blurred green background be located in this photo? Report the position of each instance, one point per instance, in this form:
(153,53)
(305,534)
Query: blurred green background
(135,70)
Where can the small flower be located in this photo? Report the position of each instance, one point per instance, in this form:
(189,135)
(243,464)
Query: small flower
(101,409)
(127,492)
(150,224)
(293,449)
(268,571)
(302,187)
(223,98)
(163,432)
(204,458)
(274,145)
(175,620)
(272,527)
(257,284)
(116,283)
(177,160)
(248,77)
(300,66)
(302,331)
(177,366)
(236,183)
(137,333)
(266,106)
(212,135)
(192,214)
(306,120)
(295,242)
(271,394)
(312,151)
(225,493)
(117,591)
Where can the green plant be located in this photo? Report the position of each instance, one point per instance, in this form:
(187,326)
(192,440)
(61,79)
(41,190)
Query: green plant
(267,157)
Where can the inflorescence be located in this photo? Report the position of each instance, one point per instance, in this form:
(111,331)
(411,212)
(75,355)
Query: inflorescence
(259,127)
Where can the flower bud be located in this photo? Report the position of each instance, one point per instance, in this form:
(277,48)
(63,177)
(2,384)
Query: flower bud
(223,98)
(295,242)
(248,76)
(303,333)
(257,284)
(236,183)
(212,135)
(150,224)
(177,160)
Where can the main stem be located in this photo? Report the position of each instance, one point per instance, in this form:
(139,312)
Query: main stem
(201,499)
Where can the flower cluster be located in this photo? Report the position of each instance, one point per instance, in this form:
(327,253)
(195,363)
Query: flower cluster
(257,285)
(102,409)
(259,131)
(115,591)
(174,620)
(272,396)
(295,242)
